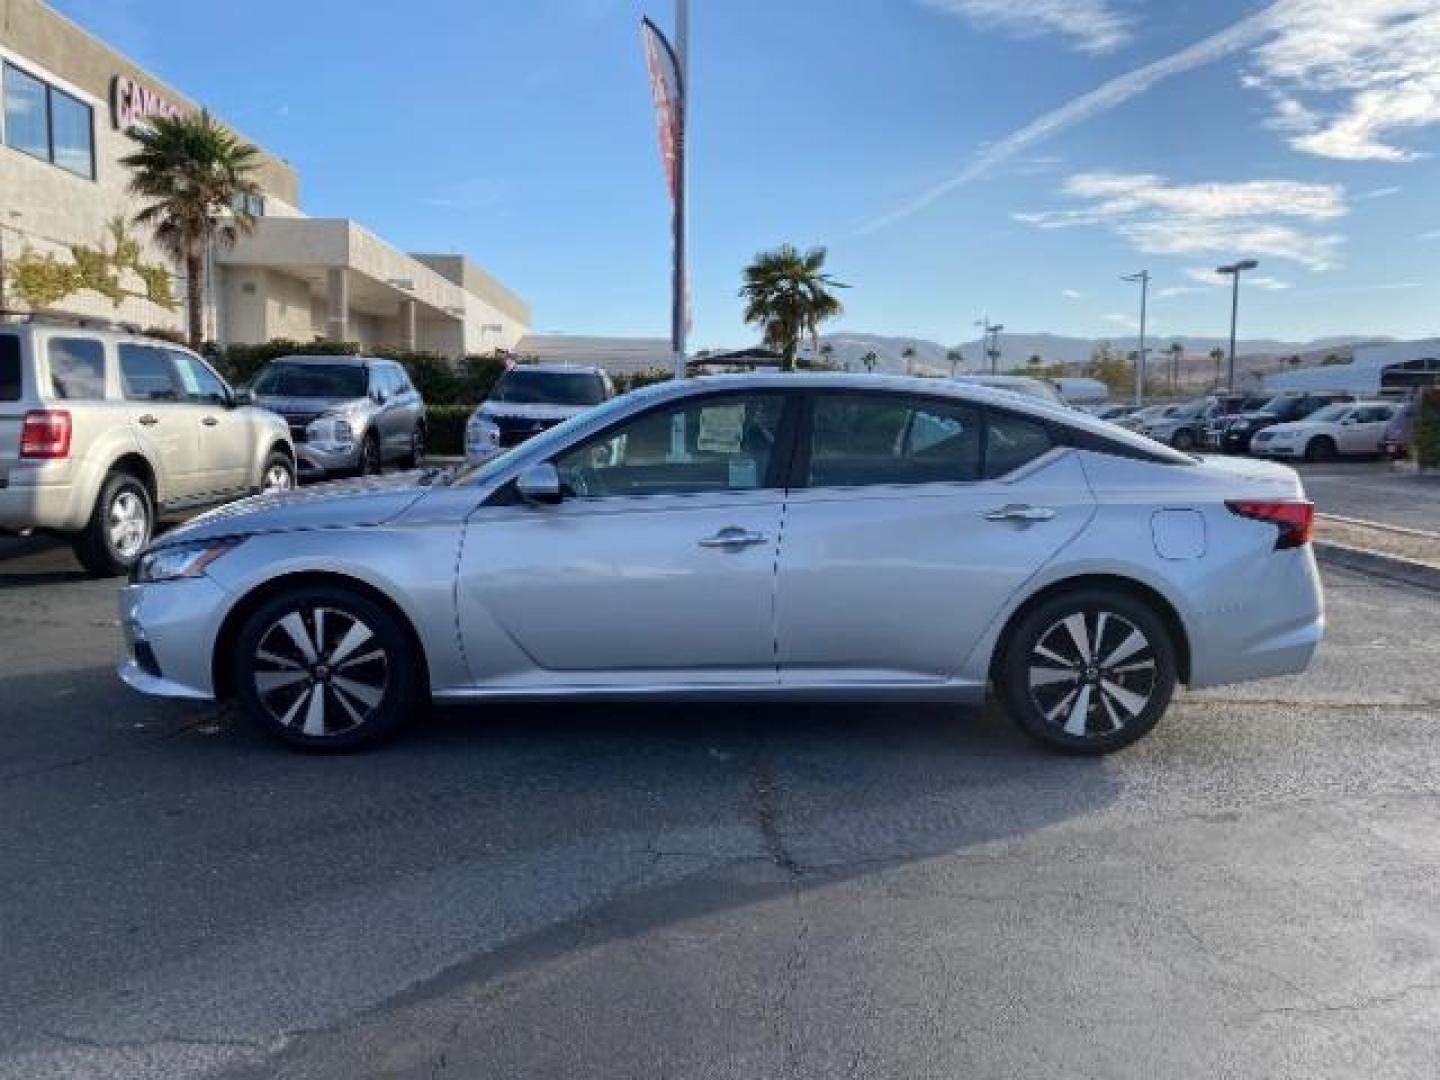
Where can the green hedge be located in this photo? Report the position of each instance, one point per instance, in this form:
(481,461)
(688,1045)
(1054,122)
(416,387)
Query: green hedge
(241,363)
(635,380)
(445,428)
(1427,428)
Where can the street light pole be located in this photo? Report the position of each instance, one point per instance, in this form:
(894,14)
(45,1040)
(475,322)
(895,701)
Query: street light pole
(1234,269)
(1143,277)
(990,340)
(682,284)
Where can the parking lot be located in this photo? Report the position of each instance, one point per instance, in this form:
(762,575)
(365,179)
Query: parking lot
(739,891)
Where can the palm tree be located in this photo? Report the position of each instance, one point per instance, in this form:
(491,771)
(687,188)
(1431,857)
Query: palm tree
(1176,351)
(199,179)
(870,359)
(1035,361)
(956,358)
(1218,355)
(908,355)
(788,295)
(827,352)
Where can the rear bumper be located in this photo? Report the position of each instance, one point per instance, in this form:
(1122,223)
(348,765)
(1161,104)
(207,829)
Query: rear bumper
(31,500)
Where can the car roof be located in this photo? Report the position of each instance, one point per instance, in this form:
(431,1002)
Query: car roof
(558,368)
(323,358)
(1007,400)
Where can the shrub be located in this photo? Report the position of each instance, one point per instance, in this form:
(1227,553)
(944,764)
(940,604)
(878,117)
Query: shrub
(636,379)
(1427,428)
(445,428)
(241,363)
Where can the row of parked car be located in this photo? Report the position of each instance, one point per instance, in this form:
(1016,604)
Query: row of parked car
(1304,425)
(102,432)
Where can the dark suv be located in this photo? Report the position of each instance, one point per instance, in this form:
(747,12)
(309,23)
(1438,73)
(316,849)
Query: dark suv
(1232,434)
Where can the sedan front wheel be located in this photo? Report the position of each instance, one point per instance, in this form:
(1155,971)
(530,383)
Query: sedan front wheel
(1089,671)
(325,668)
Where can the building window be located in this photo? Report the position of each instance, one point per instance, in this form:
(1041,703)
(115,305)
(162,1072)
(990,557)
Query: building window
(48,123)
(255,204)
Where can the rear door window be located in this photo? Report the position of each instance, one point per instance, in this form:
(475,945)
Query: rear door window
(148,374)
(860,440)
(9,367)
(77,368)
(1012,441)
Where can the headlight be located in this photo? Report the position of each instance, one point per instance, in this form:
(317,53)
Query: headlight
(330,431)
(181,561)
(481,433)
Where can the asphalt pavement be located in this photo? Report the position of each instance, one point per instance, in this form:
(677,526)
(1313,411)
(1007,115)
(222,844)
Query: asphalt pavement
(1374,491)
(719,891)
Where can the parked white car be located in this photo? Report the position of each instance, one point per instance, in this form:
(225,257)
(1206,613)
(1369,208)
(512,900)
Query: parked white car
(1351,428)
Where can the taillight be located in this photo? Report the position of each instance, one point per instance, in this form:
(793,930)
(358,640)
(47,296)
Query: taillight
(1295,519)
(46,434)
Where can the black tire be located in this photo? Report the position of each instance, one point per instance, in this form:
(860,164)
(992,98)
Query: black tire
(99,549)
(1184,440)
(278,460)
(416,456)
(377,694)
(371,463)
(1320,448)
(1078,713)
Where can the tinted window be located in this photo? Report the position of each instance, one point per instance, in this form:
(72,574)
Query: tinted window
(199,382)
(722,443)
(860,439)
(520,386)
(148,374)
(70,126)
(27,114)
(77,369)
(9,367)
(1012,441)
(312,380)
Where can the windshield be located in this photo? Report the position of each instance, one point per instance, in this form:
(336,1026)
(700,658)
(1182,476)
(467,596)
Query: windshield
(521,387)
(312,381)
(1190,409)
(1329,414)
(1281,406)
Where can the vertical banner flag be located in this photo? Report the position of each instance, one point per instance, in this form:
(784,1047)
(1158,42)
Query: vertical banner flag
(667,87)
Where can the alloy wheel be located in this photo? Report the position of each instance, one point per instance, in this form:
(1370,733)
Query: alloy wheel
(1092,673)
(277,478)
(129,524)
(320,671)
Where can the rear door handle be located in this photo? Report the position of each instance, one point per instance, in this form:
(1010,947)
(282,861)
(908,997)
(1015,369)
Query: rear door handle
(1020,512)
(210,421)
(149,421)
(733,539)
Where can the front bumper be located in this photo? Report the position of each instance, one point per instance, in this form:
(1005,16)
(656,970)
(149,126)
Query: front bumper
(1276,449)
(314,463)
(170,629)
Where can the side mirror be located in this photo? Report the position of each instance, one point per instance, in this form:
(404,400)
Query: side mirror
(378,396)
(539,485)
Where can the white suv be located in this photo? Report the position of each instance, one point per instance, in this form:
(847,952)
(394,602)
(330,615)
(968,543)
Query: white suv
(101,430)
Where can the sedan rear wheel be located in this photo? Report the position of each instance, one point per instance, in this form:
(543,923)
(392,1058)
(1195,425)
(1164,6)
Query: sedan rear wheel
(325,667)
(1089,671)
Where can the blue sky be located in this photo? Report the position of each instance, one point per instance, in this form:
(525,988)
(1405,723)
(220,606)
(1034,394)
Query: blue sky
(957,157)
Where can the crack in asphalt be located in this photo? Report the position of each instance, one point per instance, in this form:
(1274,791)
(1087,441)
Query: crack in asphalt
(764,793)
(1363,1005)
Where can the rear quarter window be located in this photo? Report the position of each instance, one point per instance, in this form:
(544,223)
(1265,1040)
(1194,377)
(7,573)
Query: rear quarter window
(77,369)
(10,388)
(1012,441)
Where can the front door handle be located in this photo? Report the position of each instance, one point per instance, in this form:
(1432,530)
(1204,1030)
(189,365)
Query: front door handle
(733,539)
(210,421)
(1021,512)
(149,420)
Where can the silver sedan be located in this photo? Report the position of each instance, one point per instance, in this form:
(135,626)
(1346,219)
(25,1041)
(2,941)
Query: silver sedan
(799,536)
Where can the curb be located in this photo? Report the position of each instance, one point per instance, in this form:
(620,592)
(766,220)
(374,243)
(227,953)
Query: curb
(1377,564)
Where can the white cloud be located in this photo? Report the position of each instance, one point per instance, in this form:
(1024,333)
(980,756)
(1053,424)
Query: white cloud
(1129,322)
(1262,281)
(1249,217)
(1381,192)
(1433,234)
(1346,76)
(1102,99)
(1171,291)
(1093,26)
(1070,294)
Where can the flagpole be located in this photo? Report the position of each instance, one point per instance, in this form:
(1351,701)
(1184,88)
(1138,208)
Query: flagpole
(680,285)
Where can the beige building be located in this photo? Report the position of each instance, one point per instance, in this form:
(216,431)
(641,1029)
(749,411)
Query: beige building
(69,99)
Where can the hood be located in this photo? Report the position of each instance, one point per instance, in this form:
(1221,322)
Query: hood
(531,411)
(308,407)
(1252,417)
(342,504)
(1289,427)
